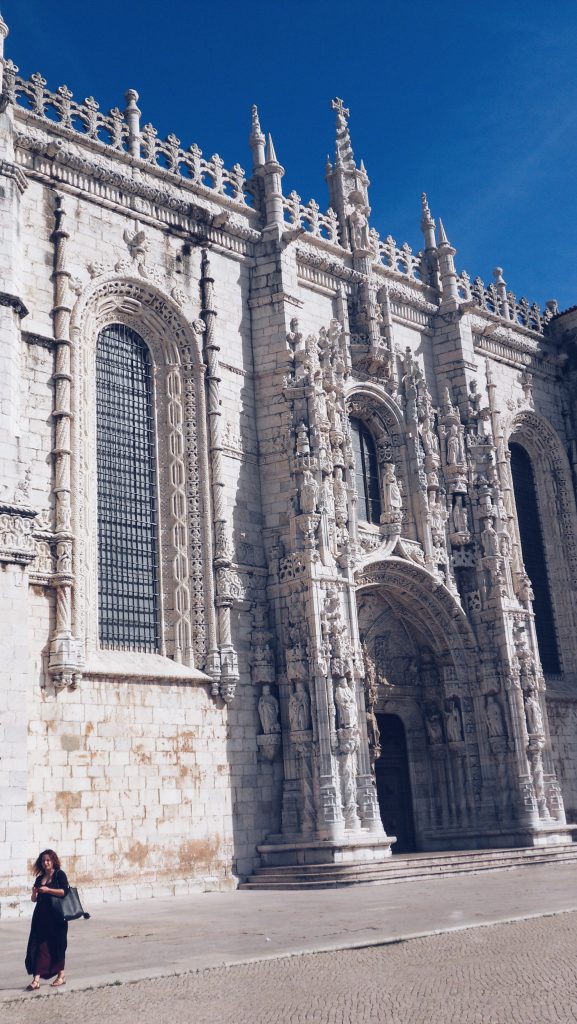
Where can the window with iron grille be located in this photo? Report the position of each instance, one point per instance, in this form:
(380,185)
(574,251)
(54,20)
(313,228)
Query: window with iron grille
(366,472)
(128,611)
(533,550)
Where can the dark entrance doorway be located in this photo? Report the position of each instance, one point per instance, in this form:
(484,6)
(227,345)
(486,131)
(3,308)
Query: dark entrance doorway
(394,784)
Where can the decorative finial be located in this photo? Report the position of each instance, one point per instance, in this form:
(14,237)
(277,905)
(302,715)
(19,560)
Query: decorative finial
(427,223)
(443,240)
(342,111)
(256,140)
(270,151)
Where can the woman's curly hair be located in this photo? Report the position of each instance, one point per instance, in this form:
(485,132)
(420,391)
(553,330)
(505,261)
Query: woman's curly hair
(38,865)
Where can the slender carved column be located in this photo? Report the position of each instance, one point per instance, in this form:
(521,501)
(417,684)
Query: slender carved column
(63,662)
(222,544)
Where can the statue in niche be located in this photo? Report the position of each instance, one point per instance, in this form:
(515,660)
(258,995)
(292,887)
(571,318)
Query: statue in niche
(299,709)
(346,704)
(358,222)
(453,722)
(495,722)
(454,446)
(533,712)
(392,499)
(460,516)
(268,709)
(429,438)
(309,492)
(434,725)
(490,539)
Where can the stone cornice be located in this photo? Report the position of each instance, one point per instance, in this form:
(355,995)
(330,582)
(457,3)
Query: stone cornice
(117,179)
(15,303)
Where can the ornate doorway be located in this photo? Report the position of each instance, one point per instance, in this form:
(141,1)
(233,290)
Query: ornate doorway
(394,784)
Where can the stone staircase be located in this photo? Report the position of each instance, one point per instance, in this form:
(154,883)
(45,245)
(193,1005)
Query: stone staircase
(407,868)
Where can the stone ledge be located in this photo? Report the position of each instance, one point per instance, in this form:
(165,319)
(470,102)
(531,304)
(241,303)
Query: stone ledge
(135,665)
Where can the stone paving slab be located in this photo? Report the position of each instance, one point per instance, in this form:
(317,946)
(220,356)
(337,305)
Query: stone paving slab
(515,973)
(154,938)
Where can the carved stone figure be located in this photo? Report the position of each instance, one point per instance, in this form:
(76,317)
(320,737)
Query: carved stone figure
(495,722)
(533,713)
(309,493)
(460,516)
(453,722)
(303,445)
(454,446)
(434,724)
(299,709)
(346,705)
(268,709)
(392,499)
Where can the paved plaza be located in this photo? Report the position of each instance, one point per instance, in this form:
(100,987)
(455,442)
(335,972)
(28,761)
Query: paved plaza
(497,948)
(504,974)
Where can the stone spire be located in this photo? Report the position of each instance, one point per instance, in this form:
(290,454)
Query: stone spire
(427,223)
(447,272)
(344,177)
(256,140)
(3,33)
(273,173)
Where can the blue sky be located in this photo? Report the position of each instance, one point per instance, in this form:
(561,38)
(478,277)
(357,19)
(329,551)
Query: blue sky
(476,104)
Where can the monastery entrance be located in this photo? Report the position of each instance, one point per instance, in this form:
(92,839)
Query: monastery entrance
(394,784)
(419,713)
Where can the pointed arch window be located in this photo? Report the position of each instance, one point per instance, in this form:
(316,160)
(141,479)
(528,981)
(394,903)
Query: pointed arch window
(534,557)
(128,591)
(366,472)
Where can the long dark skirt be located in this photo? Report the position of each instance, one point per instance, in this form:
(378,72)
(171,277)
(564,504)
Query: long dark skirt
(48,939)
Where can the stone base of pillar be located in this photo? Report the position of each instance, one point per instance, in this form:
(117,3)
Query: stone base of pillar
(362,847)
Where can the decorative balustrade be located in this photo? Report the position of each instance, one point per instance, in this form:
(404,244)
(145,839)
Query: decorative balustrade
(121,132)
(496,299)
(309,217)
(399,259)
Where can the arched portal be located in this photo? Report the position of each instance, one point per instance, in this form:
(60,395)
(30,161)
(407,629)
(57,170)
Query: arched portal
(421,684)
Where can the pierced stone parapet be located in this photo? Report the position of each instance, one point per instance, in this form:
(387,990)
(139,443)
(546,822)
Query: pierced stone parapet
(494,298)
(120,131)
(309,218)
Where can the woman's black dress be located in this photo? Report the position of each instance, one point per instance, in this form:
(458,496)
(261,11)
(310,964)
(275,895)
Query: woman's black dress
(48,934)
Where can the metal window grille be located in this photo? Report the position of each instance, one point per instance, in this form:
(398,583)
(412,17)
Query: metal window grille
(366,472)
(534,557)
(127,513)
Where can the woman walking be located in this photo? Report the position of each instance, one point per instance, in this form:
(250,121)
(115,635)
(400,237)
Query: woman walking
(49,931)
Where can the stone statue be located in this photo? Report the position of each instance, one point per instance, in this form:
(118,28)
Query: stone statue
(460,517)
(392,499)
(453,722)
(454,447)
(268,708)
(434,724)
(358,223)
(490,539)
(309,493)
(533,713)
(299,709)
(346,704)
(495,723)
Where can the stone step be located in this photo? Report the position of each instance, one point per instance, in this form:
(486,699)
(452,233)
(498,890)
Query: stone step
(431,860)
(409,868)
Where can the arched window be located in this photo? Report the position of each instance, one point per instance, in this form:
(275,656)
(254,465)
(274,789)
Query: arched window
(128,607)
(533,548)
(366,472)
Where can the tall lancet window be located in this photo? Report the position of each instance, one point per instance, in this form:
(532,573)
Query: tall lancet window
(533,549)
(366,472)
(128,607)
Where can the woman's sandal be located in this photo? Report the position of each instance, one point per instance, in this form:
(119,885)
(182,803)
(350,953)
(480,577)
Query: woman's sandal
(58,982)
(33,986)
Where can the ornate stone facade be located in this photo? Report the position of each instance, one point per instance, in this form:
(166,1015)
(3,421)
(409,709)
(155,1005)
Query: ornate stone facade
(343,601)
